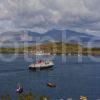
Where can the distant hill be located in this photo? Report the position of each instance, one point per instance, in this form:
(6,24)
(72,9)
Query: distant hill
(9,39)
(57,35)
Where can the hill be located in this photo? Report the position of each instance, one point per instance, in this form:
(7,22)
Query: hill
(19,38)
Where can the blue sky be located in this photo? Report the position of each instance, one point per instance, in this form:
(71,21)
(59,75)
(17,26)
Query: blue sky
(43,15)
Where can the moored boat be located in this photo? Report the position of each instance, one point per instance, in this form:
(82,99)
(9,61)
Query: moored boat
(51,85)
(19,89)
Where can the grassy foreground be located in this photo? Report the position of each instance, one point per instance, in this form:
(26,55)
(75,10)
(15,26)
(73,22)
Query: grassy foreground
(24,96)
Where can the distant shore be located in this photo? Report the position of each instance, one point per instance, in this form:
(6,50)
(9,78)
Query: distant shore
(57,48)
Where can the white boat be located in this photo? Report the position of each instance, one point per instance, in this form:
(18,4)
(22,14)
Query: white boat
(79,55)
(41,65)
(40,53)
(69,54)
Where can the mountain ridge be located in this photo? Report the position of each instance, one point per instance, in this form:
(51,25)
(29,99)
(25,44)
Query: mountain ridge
(55,35)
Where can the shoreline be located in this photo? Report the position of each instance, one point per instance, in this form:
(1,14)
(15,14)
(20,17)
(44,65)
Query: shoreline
(57,48)
(61,54)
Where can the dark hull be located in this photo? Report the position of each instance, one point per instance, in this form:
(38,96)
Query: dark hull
(51,85)
(40,68)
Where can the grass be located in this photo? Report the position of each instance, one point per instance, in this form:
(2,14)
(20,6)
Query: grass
(24,96)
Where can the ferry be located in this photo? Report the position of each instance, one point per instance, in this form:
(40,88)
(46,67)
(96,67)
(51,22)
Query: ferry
(41,65)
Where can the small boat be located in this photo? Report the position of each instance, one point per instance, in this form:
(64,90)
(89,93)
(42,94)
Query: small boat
(41,65)
(51,85)
(19,89)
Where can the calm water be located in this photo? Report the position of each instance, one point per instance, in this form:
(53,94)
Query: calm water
(73,78)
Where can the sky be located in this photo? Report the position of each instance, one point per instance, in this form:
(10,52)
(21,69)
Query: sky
(44,15)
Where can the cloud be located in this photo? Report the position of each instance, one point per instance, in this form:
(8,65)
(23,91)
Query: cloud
(47,14)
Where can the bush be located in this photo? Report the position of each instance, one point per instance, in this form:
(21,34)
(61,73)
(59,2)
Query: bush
(43,98)
(24,96)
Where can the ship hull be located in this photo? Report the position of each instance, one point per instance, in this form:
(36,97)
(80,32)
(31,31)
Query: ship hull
(40,68)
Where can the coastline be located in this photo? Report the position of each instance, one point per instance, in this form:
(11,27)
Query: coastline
(54,49)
